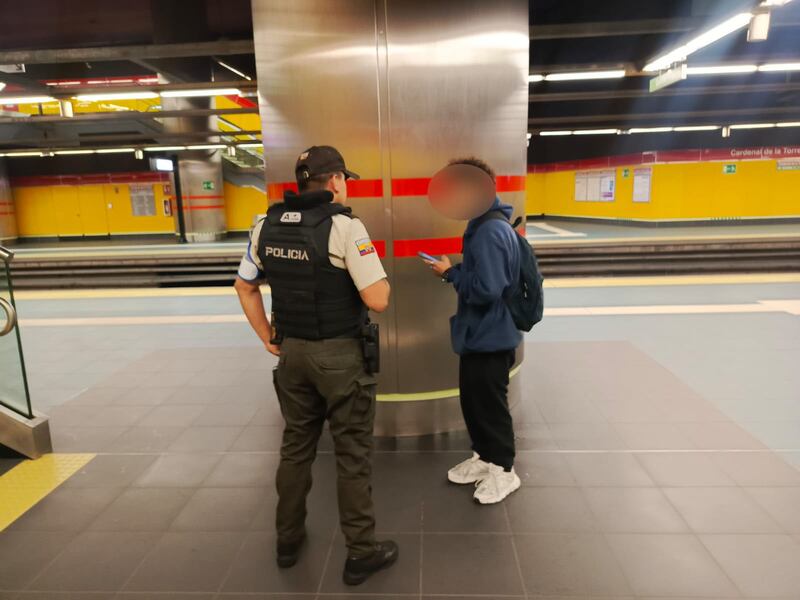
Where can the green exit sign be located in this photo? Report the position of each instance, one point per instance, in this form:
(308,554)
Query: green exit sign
(208,185)
(729,169)
(626,173)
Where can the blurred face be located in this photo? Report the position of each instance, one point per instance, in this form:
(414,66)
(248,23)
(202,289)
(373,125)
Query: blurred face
(461,192)
(337,185)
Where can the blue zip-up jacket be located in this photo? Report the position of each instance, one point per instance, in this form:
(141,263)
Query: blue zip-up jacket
(491,265)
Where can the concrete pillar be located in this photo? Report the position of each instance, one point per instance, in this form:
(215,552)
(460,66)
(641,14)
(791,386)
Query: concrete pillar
(8,217)
(400,88)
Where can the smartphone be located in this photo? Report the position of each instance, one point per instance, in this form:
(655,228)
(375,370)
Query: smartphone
(425,256)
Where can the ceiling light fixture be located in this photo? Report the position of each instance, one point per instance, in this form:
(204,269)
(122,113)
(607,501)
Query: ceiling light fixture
(233,70)
(206,147)
(649,129)
(37,153)
(67,152)
(100,97)
(595,131)
(114,150)
(697,128)
(788,124)
(535,78)
(752,126)
(582,75)
(721,69)
(163,148)
(251,145)
(706,38)
(556,132)
(770,67)
(775,2)
(26,100)
(200,92)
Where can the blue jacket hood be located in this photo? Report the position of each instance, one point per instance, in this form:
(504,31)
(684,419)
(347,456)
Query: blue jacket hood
(506,209)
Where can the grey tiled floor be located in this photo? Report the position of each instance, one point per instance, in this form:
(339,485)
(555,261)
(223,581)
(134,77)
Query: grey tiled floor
(638,482)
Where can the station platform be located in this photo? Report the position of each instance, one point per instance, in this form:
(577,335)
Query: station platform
(564,249)
(658,445)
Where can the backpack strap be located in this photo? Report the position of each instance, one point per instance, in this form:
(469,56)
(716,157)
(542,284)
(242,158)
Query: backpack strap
(496,215)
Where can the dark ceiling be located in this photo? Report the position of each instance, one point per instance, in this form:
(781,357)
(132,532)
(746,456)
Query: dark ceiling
(565,34)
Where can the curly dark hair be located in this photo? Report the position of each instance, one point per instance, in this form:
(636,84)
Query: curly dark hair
(475,162)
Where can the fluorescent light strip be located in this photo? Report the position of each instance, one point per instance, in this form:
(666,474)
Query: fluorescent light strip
(114,150)
(233,70)
(789,124)
(752,126)
(697,128)
(206,147)
(535,78)
(23,153)
(770,67)
(595,131)
(775,2)
(555,132)
(649,129)
(116,96)
(66,152)
(200,92)
(721,70)
(163,148)
(251,145)
(701,41)
(582,75)
(26,100)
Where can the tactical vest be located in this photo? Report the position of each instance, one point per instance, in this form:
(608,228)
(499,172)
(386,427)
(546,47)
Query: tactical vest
(311,299)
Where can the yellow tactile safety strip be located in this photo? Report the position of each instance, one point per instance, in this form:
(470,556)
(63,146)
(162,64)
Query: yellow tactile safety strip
(32,480)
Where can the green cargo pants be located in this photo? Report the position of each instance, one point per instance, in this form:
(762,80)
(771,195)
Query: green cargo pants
(315,381)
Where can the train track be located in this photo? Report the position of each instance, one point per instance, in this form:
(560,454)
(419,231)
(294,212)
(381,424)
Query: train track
(176,269)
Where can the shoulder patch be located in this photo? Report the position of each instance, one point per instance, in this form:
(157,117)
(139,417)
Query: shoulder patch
(365,246)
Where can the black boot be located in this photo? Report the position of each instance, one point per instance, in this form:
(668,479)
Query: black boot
(358,570)
(288,553)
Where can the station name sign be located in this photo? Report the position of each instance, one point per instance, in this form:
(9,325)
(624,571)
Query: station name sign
(751,153)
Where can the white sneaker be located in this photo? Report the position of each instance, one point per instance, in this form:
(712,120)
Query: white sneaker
(496,485)
(471,470)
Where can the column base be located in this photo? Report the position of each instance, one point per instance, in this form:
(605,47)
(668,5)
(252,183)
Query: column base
(29,437)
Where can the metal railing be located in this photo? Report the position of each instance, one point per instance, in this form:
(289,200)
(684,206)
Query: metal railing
(12,369)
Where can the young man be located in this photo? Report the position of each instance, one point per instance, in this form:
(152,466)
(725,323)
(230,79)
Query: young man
(324,273)
(484,335)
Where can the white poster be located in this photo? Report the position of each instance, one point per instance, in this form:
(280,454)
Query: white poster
(642,183)
(143,200)
(581,180)
(595,186)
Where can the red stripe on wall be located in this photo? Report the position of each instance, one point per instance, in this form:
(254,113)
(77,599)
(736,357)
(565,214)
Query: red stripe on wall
(203,197)
(432,246)
(380,247)
(510,183)
(364,188)
(410,187)
(94,178)
(667,156)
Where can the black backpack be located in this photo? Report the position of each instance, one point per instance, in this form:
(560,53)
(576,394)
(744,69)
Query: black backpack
(526,300)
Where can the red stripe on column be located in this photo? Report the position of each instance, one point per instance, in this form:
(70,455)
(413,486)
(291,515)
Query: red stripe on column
(410,187)
(210,207)
(510,183)
(432,246)
(364,188)
(380,247)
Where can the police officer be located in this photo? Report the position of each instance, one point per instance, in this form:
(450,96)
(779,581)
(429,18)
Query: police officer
(325,274)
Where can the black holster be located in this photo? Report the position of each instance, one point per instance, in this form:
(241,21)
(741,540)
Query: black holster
(371,346)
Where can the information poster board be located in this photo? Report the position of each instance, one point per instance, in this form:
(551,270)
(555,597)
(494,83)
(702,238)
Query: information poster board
(642,184)
(143,200)
(595,186)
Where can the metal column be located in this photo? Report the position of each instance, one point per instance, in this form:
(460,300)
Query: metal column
(400,88)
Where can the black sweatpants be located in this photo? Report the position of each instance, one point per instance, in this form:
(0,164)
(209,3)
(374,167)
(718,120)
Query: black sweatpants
(483,379)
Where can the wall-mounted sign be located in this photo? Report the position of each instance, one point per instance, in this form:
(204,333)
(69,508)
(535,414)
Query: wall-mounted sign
(729,169)
(626,173)
(167,207)
(789,164)
(595,186)
(642,184)
(143,200)
(208,185)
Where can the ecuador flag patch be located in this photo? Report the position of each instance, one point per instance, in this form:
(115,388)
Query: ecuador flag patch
(365,246)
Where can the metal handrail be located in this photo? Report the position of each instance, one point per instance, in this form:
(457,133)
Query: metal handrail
(11,314)
(6,254)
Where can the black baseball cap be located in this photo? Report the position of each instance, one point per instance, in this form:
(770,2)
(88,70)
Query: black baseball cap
(319,160)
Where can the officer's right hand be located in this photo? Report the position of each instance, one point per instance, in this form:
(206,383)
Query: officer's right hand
(273,348)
